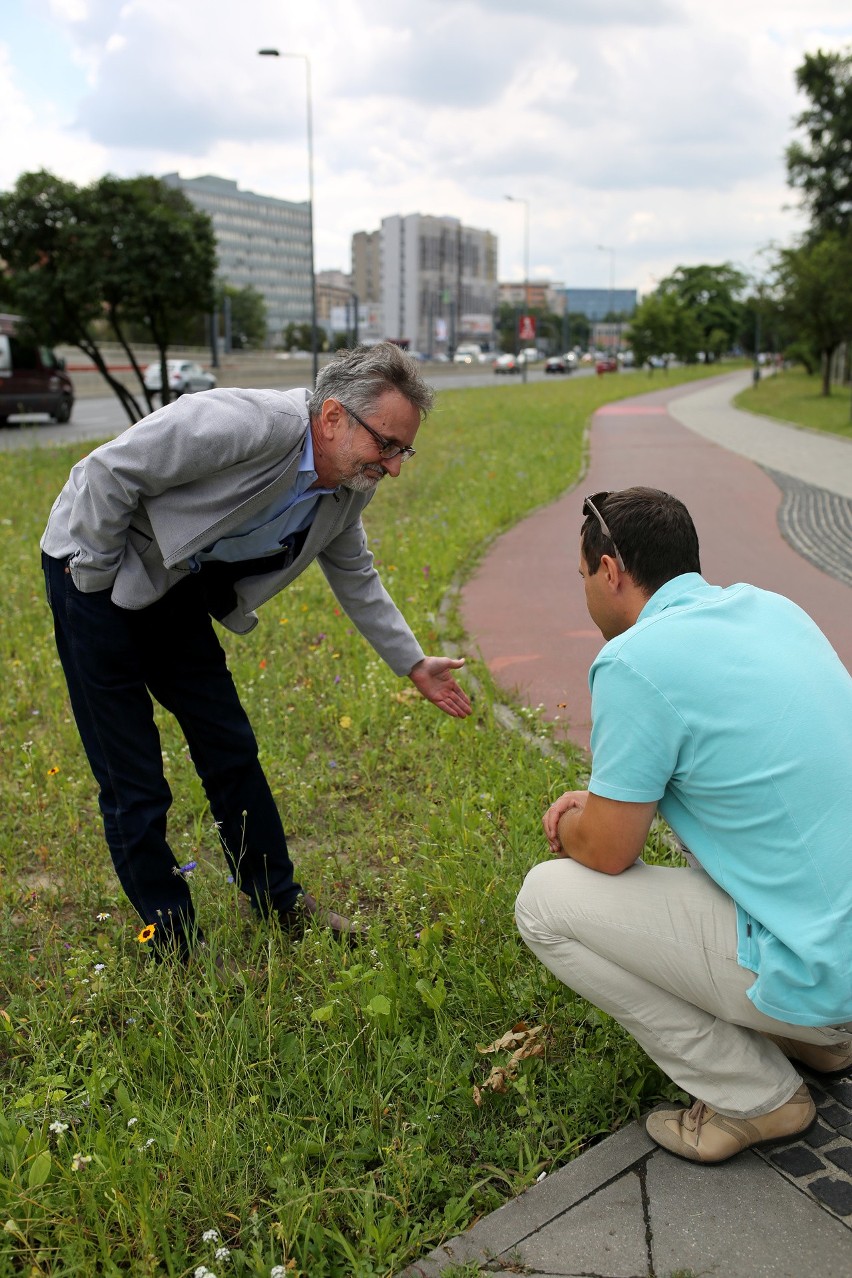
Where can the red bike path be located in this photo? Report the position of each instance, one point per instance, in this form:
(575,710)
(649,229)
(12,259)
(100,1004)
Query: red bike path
(524,609)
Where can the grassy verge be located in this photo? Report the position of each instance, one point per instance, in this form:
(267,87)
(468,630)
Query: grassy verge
(318,1112)
(795,397)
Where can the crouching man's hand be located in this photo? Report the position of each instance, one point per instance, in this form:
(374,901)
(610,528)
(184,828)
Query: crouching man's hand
(550,820)
(432,677)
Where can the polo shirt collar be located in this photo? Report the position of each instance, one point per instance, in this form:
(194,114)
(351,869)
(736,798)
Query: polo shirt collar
(672,593)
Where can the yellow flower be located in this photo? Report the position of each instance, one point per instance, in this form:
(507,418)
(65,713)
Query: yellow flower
(147,932)
(51,772)
(345,721)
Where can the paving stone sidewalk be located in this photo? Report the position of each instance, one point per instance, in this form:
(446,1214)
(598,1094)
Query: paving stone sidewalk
(626,1209)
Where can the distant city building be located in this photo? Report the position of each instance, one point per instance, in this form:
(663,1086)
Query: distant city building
(260,241)
(334,289)
(369,329)
(543,295)
(438,280)
(596,303)
(367,265)
(609,337)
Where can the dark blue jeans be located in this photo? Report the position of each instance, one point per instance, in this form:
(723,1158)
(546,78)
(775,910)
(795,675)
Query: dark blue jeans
(115,661)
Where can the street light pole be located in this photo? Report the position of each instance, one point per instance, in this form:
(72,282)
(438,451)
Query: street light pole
(277,53)
(604,248)
(518,199)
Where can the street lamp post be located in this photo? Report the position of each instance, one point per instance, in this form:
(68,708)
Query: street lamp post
(277,53)
(604,248)
(518,199)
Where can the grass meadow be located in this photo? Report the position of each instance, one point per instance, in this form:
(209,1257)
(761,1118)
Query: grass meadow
(314,1115)
(795,396)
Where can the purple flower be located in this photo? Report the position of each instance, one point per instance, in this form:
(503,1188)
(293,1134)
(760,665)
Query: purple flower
(189,867)
(337,678)
(332,763)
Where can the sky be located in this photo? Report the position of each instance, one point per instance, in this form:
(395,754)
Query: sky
(635,135)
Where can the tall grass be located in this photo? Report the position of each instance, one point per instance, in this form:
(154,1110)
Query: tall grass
(316,1111)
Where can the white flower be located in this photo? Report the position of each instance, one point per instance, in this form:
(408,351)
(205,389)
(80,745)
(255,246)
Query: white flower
(222,1253)
(149,1142)
(278,1271)
(102,917)
(131,1122)
(99,967)
(210,1235)
(203,1272)
(80,1162)
(58,1127)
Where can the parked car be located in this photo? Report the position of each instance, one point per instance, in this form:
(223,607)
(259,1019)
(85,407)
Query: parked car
(609,364)
(32,378)
(469,354)
(558,364)
(508,363)
(185,377)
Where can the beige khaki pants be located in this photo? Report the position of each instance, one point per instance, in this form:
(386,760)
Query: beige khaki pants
(656,948)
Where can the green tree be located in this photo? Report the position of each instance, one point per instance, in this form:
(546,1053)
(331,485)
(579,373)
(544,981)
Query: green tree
(133,252)
(663,324)
(297,337)
(817,300)
(248,315)
(711,296)
(820,165)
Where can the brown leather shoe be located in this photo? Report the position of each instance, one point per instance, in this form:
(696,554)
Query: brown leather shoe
(822,1060)
(702,1135)
(308,912)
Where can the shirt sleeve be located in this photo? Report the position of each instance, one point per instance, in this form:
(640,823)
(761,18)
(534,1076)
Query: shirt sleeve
(639,741)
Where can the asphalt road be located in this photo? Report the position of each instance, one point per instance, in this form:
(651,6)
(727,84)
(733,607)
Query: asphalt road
(101,417)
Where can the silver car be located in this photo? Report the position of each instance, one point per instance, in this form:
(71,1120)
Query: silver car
(185,376)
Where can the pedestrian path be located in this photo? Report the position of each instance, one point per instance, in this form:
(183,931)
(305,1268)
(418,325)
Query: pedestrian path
(625,1208)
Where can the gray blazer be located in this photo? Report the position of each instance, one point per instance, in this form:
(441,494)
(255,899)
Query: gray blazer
(135,510)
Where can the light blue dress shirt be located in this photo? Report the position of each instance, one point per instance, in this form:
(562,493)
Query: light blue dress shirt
(265,533)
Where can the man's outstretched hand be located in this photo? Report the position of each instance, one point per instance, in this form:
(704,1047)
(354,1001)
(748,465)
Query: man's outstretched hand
(433,679)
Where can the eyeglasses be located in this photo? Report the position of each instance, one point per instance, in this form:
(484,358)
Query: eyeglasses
(590,507)
(387,448)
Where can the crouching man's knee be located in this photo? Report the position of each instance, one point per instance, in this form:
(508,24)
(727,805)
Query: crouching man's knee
(543,905)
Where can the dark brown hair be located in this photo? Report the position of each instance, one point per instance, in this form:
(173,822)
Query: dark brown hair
(653,532)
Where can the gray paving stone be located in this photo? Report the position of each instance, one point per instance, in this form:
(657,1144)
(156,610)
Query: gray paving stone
(836,1194)
(842,1158)
(740,1220)
(820,1135)
(797,1160)
(605,1234)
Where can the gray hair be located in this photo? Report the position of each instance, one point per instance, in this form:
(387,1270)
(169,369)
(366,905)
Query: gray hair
(359,377)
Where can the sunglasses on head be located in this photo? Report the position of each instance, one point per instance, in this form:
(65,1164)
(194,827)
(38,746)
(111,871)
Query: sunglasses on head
(591,507)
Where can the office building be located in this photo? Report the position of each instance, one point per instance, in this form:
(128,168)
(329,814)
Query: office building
(334,289)
(543,295)
(260,241)
(437,280)
(367,265)
(597,303)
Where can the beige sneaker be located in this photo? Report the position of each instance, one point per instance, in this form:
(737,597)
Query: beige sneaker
(703,1136)
(822,1060)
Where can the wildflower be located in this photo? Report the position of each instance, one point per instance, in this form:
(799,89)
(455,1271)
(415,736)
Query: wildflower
(99,967)
(186,870)
(131,1122)
(131,1020)
(203,1272)
(337,678)
(58,1128)
(80,1162)
(332,763)
(102,917)
(210,1236)
(345,721)
(278,1271)
(222,1254)
(51,772)
(262,664)
(147,932)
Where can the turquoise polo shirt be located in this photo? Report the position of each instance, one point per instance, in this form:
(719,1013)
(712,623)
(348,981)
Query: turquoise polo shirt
(731,710)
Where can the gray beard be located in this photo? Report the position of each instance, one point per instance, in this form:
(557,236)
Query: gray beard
(360,483)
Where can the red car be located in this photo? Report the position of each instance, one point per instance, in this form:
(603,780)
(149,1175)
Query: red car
(608,365)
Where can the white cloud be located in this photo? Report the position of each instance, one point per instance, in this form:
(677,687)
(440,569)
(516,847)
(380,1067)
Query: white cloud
(658,126)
